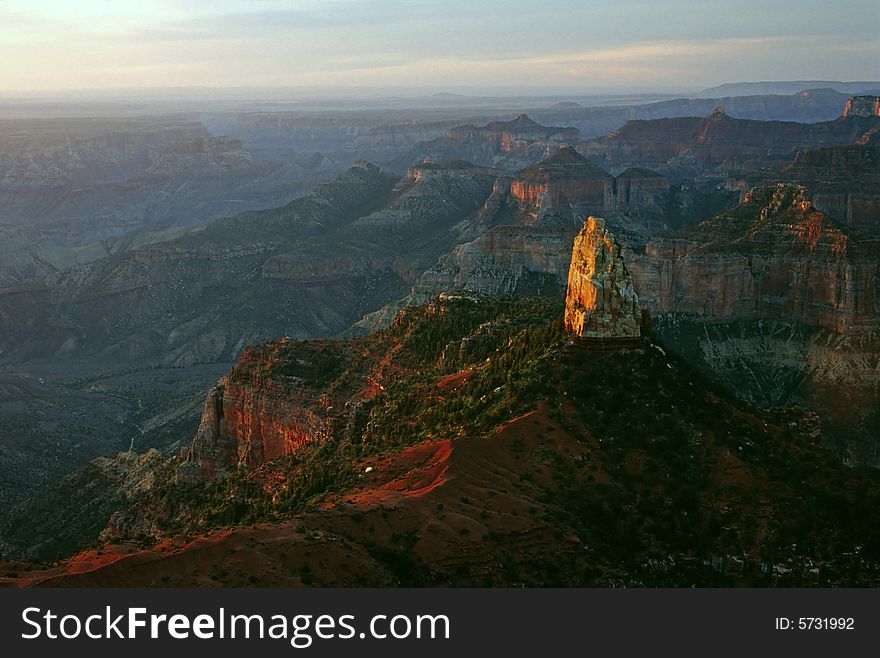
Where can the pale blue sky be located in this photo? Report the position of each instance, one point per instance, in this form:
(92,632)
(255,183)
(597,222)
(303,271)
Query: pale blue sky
(577,44)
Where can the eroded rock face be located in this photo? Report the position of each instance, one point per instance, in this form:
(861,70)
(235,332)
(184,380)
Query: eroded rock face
(773,257)
(519,241)
(841,181)
(640,189)
(601,301)
(862,106)
(505,260)
(508,145)
(719,144)
(265,407)
(563,180)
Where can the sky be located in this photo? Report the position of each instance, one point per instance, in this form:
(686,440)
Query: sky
(550,44)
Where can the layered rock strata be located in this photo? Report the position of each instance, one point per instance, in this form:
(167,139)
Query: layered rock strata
(600,301)
(774,256)
(268,405)
(841,181)
(720,145)
(862,106)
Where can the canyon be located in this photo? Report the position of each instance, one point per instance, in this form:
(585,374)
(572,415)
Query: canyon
(841,181)
(779,301)
(77,191)
(508,145)
(519,243)
(773,256)
(464,476)
(735,256)
(718,145)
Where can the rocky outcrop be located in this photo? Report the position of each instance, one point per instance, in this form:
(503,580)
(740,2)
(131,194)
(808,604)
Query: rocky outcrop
(268,405)
(842,181)
(430,196)
(600,301)
(562,181)
(508,145)
(519,241)
(565,187)
(719,144)
(640,189)
(205,153)
(774,256)
(641,423)
(778,301)
(862,106)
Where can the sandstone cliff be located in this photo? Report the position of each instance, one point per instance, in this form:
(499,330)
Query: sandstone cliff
(779,302)
(862,106)
(719,144)
(508,145)
(774,256)
(519,241)
(268,405)
(600,301)
(841,181)
(563,181)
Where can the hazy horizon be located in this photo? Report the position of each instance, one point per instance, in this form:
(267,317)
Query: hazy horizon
(562,46)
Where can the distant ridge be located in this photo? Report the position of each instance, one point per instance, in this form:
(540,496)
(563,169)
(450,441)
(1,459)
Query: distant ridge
(787,87)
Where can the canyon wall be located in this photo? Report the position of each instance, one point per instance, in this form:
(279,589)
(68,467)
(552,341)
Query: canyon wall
(504,260)
(509,145)
(862,106)
(257,412)
(719,145)
(841,181)
(774,256)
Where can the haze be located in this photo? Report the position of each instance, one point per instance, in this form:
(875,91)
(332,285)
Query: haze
(456,44)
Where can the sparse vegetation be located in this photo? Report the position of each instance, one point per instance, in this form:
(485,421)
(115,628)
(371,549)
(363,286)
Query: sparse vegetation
(675,481)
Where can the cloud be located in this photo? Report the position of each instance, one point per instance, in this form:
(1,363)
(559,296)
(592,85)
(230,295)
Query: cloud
(419,42)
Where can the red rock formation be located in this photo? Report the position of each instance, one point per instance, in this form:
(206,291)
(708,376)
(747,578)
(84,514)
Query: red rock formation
(506,144)
(565,179)
(522,238)
(600,301)
(774,256)
(843,182)
(862,106)
(719,143)
(259,411)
